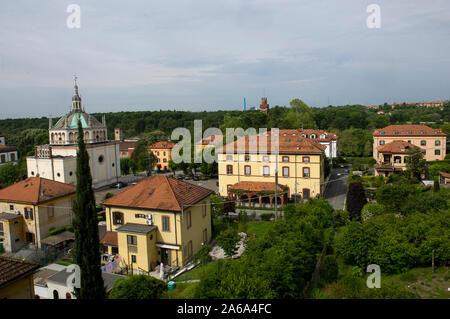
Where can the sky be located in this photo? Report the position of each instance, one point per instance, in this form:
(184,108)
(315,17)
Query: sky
(208,55)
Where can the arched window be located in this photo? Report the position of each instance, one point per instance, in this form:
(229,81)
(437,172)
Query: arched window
(68,295)
(55,294)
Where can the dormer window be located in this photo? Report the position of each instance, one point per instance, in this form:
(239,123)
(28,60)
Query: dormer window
(381,132)
(299,140)
(288,140)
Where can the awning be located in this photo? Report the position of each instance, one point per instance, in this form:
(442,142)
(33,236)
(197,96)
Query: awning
(59,238)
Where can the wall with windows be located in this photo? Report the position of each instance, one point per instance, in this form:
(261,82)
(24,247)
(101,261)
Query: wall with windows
(435,146)
(298,172)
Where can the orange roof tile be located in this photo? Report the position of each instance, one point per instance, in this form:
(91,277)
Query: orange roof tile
(444,174)
(110,239)
(408,130)
(287,145)
(36,190)
(256,186)
(160,193)
(12,269)
(397,147)
(161,145)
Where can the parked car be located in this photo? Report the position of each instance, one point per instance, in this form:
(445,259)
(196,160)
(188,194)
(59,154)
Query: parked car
(118,185)
(195,178)
(187,177)
(203,178)
(180,177)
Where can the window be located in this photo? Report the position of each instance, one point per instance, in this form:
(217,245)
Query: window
(247,158)
(285,171)
(266,171)
(397,159)
(437,152)
(2,231)
(2,158)
(423,142)
(133,259)
(229,158)
(306,172)
(230,169)
(382,142)
(11,207)
(405,159)
(205,236)
(117,218)
(100,159)
(164,153)
(190,251)
(164,160)
(204,210)
(188,220)
(437,143)
(266,159)
(288,139)
(28,213)
(165,223)
(247,170)
(13,157)
(285,159)
(306,159)
(306,193)
(131,240)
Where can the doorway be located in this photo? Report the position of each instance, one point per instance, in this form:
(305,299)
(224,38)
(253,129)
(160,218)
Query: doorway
(165,256)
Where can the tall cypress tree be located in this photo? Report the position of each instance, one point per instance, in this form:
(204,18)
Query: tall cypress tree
(86,250)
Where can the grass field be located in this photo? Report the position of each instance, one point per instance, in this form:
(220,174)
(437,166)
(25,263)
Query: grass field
(182,291)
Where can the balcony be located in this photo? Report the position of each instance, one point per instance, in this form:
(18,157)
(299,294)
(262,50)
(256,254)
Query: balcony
(132,249)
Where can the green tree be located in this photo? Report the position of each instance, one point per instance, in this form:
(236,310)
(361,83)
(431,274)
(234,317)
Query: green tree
(299,115)
(86,248)
(125,165)
(138,287)
(228,240)
(416,165)
(356,199)
(329,268)
(11,173)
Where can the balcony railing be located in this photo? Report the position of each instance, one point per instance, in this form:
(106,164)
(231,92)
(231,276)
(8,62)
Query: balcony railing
(132,249)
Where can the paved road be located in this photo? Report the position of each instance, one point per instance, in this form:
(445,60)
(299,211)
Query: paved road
(336,190)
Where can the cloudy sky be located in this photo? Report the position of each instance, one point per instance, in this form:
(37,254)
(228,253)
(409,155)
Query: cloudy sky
(210,54)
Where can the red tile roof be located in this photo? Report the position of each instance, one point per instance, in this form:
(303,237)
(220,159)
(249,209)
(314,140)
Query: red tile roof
(256,186)
(397,147)
(160,193)
(444,174)
(12,269)
(36,190)
(408,130)
(110,239)
(162,145)
(287,145)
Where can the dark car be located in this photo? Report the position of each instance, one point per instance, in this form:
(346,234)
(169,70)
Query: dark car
(180,177)
(195,178)
(118,185)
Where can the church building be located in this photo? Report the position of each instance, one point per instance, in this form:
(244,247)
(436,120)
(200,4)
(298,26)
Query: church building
(57,160)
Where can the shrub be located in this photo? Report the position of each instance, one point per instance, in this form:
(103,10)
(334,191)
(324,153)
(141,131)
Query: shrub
(60,230)
(243,217)
(138,287)
(329,269)
(267,216)
(371,209)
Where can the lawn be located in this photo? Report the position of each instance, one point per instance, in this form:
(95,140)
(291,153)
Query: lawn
(258,228)
(182,291)
(193,274)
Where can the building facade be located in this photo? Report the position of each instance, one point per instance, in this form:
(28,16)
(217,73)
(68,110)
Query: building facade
(31,208)
(163,152)
(57,160)
(393,157)
(160,219)
(299,162)
(431,141)
(16,278)
(8,154)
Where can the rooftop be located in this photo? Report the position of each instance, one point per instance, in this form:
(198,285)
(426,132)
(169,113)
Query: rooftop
(109,239)
(160,193)
(9,216)
(135,228)
(257,186)
(12,269)
(408,130)
(162,145)
(397,147)
(36,190)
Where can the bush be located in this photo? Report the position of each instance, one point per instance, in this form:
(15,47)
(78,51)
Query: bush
(329,269)
(138,287)
(243,217)
(371,209)
(60,230)
(267,216)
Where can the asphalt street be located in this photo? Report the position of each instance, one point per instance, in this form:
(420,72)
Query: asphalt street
(336,189)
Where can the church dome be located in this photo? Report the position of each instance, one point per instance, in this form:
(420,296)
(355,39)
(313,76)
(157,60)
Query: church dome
(87,121)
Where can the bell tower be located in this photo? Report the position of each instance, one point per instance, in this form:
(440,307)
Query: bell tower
(76,99)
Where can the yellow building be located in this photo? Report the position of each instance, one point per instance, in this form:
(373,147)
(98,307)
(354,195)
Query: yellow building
(162,151)
(31,208)
(16,278)
(300,165)
(160,219)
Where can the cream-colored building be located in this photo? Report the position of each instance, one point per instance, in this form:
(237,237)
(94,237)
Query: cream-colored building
(160,219)
(57,160)
(299,162)
(393,157)
(31,208)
